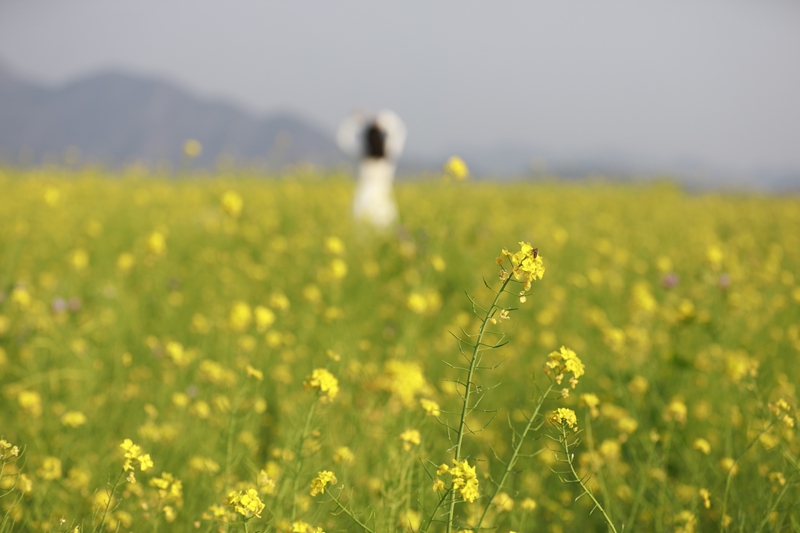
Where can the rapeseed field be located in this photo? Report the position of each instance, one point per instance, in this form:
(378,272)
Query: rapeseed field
(232,353)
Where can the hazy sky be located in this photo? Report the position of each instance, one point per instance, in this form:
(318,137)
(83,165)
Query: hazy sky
(718,81)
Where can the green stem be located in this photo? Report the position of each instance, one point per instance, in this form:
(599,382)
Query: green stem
(231,431)
(662,495)
(158,514)
(600,479)
(640,491)
(349,513)
(730,475)
(586,490)
(299,452)
(772,509)
(465,406)
(433,514)
(108,503)
(515,454)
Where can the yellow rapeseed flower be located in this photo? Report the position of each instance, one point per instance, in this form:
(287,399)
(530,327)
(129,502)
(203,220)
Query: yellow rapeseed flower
(334,245)
(79,259)
(319,483)
(591,401)
(677,411)
(73,419)
(430,407)
(21,297)
(563,362)
(417,302)
(192,148)
(50,469)
(526,266)
(304,527)
(456,168)
(279,301)
(203,464)
(246,503)
(231,203)
(240,316)
(410,438)
(52,196)
(528,504)
(265,317)
(169,488)
(465,480)
(338,268)
(125,261)
(156,243)
(706,496)
(324,382)
(503,502)
(702,445)
(728,464)
(255,373)
(133,453)
(565,416)
(345,455)
(404,379)
(30,402)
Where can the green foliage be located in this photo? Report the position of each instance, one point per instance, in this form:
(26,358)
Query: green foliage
(250,339)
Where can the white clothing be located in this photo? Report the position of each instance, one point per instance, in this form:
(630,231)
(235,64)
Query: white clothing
(374,201)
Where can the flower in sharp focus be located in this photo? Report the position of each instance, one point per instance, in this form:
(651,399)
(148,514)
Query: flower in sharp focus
(319,483)
(564,416)
(465,480)
(565,361)
(526,266)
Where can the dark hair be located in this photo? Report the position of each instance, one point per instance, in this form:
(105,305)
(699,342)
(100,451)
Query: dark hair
(374,142)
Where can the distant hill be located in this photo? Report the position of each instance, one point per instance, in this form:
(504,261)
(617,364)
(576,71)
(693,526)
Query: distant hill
(115,118)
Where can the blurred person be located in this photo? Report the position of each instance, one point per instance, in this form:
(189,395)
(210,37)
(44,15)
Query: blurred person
(378,141)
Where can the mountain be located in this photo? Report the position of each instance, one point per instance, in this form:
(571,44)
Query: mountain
(115,118)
